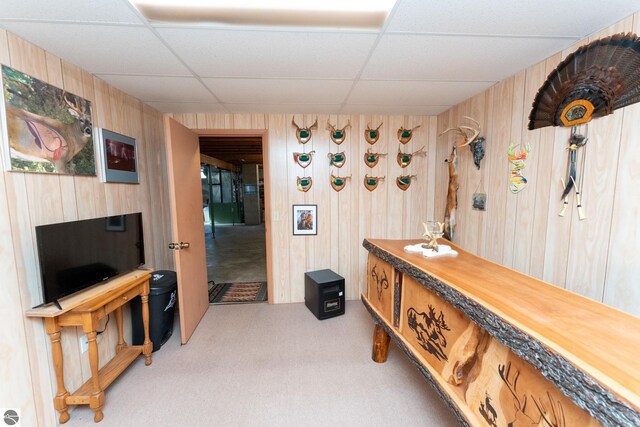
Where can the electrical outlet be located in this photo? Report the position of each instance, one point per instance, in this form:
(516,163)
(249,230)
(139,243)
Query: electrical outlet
(84,342)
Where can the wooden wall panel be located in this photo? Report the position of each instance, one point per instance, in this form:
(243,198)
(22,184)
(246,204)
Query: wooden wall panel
(345,218)
(36,199)
(524,231)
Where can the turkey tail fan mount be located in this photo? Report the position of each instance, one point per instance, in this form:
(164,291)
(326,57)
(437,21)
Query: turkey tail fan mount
(593,81)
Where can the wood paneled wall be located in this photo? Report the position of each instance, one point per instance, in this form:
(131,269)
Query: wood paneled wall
(345,218)
(597,257)
(28,200)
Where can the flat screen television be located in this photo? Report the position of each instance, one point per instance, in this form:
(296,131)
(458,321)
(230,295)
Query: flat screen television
(77,254)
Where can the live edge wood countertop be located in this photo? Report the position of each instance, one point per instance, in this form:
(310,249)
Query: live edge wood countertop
(600,341)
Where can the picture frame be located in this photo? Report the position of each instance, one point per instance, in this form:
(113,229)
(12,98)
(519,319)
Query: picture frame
(45,129)
(117,157)
(305,220)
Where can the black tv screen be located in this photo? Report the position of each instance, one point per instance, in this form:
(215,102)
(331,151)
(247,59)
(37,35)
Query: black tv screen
(77,254)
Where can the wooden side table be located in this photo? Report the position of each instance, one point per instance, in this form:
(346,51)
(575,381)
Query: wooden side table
(86,309)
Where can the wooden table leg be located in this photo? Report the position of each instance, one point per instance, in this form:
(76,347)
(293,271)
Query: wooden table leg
(96,400)
(380,344)
(147,347)
(121,342)
(60,401)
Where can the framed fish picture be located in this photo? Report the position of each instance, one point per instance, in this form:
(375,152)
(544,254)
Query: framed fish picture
(46,129)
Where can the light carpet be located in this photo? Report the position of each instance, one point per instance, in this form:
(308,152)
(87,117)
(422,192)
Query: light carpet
(272,365)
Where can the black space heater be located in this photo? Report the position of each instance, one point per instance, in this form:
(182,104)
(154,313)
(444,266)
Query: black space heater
(324,293)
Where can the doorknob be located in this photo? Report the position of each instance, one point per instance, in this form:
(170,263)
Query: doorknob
(184,245)
(174,246)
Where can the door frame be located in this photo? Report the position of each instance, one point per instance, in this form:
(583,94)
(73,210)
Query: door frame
(264,134)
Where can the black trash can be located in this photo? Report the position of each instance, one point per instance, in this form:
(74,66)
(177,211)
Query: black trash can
(162,301)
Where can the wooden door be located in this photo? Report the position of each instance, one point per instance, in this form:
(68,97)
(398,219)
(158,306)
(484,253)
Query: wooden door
(183,158)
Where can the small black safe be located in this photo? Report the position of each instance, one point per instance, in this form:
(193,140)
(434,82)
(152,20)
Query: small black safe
(324,293)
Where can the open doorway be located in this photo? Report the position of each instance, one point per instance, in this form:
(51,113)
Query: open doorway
(234,217)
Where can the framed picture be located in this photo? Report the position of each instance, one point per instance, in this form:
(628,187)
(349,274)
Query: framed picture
(118,157)
(47,129)
(305,220)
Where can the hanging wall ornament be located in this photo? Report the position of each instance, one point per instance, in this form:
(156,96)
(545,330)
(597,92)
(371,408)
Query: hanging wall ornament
(371,182)
(338,135)
(576,141)
(371,159)
(593,81)
(405,135)
(304,183)
(404,159)
(337,159)
(372,135)
(468,133)
(404,181)
(303,159)
(517,182)
(452,195)
(338,182)
(304,134)
(477,149)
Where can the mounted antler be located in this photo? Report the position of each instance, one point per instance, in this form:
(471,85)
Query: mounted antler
(338,135)
(405,135)
(468,133)
(372,135)
(304,134)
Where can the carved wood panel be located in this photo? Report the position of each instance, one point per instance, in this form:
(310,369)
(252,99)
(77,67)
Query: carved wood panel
(380,279)
(497,386)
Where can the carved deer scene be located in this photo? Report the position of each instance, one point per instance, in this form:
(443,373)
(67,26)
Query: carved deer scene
(48,129)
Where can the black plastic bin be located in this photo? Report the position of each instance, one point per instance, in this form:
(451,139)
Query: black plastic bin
(162,300)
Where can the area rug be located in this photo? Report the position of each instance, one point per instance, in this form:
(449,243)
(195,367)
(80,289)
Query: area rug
(238,293)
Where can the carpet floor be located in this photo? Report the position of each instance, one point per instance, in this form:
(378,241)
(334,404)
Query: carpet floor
(272,365)
(238,293)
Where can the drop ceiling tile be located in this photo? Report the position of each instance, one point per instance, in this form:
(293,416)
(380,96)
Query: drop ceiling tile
(277,54)
(161,89)
(279,91)
(379,92)
(284,108)
(187,107)
(429,57)
(103,49)
(395,109)
(524,17)
(114,11)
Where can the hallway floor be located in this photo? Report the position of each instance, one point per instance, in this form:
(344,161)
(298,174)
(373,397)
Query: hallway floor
(237,254)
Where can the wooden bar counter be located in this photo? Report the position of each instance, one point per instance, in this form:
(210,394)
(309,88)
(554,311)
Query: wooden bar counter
(500,347)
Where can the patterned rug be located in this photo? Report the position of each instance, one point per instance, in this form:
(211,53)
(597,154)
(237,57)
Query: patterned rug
(238,293)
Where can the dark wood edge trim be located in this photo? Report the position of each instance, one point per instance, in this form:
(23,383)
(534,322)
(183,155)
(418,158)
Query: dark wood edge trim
(423,370)
(586,392)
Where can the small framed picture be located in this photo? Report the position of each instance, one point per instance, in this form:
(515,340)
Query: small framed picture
(118,156)
(305,220)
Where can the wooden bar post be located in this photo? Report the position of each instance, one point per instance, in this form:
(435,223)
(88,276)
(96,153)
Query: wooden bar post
(380,344)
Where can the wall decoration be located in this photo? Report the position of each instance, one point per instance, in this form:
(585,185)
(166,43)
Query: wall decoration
(477,150)
(576,141)
(305,220)
(371,159)
(337,159)
(468,133)
(405,135)
(429,331)
(404,159)
(46,128)
(304,183)
(479,201)
(303,159)
(371,182)
(338,135)
(338,182)
(118,157)
(372,135)
(591,82)
(404,181)
(517,159)
(304,134)
(452,195)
